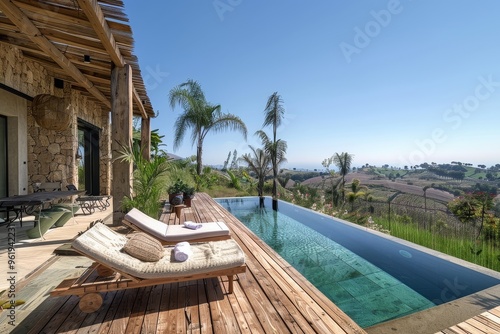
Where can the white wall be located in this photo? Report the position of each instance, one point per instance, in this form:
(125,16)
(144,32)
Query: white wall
(16,110)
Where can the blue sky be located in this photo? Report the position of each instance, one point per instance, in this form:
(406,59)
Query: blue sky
(391,82)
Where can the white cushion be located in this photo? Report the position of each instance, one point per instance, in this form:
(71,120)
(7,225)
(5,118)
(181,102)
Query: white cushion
(174,233)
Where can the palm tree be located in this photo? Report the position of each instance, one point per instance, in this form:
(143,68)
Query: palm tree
(343,162)
(149,178)
(201,116)
(355,192)
(274,113)
(276,151)
(260,164)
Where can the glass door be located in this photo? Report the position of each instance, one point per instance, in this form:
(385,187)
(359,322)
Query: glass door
(88,164)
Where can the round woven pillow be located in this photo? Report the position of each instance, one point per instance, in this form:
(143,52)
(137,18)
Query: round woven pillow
(144,247)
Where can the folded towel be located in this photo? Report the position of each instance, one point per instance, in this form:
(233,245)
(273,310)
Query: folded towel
(182,251)
(192,225)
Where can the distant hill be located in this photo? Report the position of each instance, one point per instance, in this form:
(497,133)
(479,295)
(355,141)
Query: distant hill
(444,181)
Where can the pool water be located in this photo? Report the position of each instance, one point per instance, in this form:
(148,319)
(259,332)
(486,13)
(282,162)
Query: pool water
(372,279)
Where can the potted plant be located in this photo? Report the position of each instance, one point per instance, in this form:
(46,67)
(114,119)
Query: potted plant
(175,191)
(188,195)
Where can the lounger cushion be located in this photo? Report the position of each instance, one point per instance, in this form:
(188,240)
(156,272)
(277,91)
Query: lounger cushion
(174,233)
(144,247)
(104,245)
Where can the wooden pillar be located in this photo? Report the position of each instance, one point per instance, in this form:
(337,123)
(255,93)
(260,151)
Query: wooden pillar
(146,138)
(121,135)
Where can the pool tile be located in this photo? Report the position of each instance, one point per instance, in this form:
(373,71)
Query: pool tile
(362,266)
(410,297)
(341,272)
(358,312)
(384,304)
(382,279)
(359,286)
(335,292)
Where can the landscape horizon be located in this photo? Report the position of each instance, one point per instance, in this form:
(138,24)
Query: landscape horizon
(318,167)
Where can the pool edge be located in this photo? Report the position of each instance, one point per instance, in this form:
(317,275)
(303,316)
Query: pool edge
(442,316)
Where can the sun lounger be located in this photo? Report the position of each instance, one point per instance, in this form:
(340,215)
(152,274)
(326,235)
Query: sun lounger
(170,234)
(104,246)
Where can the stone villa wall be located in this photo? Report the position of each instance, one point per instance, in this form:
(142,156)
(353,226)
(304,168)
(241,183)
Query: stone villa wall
(51,154)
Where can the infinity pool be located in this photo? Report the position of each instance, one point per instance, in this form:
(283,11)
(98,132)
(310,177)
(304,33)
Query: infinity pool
(371,278)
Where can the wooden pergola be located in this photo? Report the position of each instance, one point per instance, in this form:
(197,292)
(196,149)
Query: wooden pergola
(89,44)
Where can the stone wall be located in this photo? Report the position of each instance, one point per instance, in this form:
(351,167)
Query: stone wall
(51,154)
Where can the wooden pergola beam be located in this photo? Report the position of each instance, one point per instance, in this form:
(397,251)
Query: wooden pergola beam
(27,27)
(96,17)
(138,102)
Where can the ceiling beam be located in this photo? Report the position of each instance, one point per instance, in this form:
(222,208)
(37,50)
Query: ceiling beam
(27,27)
(94,14)
(96,17)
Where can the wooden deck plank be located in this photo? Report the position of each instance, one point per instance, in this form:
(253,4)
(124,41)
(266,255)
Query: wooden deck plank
(180,309)
(192,309)
(484,327)
(495,311)
(468,328)
(172,306)
(486,322)
(222,320)
(150,323)
(270,297)
(120,321)
(251,321)
(72,322)
(241,311)
(115,297)
(491,317)
(94,320)
(162,325)
(58,319)
(136,318)
(205,320)
(53,307)
(491,323)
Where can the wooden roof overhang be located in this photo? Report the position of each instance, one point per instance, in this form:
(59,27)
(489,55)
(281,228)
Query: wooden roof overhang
(58,34)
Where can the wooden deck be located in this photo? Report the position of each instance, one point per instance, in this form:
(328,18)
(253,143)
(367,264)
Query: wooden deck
(486,322)
(271,297)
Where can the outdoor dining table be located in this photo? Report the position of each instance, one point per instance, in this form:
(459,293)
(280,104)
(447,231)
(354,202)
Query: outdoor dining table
(22,203)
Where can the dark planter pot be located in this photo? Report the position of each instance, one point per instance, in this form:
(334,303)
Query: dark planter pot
(173,198)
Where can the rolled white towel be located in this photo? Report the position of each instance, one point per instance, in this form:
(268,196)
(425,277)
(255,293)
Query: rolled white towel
(192,225)
(182,251)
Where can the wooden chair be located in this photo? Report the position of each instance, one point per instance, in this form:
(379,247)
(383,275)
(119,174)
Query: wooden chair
(104,246)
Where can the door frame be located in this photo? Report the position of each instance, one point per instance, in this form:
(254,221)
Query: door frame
(90,156)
